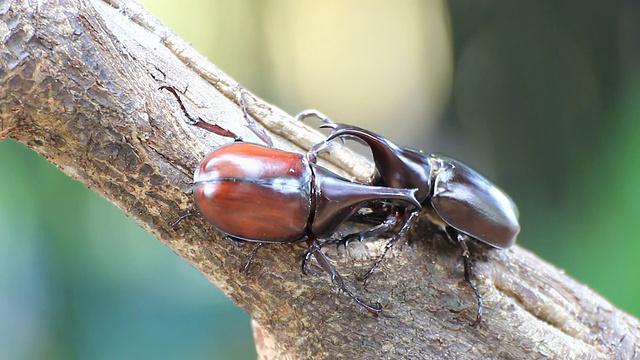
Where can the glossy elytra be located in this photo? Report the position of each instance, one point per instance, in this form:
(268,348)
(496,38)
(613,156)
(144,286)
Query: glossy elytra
(456,199)
(259,194)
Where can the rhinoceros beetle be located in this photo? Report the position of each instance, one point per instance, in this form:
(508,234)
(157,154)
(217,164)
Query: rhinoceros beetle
(255,193)
(460,202)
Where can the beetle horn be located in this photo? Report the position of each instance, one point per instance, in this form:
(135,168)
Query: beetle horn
(396,166)
(337,198)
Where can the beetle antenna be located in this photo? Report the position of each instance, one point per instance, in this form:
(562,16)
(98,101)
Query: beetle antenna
(468,274)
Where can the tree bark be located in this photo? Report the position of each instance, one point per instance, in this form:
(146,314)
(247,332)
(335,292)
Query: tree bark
(80,86)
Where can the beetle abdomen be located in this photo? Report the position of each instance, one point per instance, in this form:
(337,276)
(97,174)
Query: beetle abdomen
(471,204)
(254,192)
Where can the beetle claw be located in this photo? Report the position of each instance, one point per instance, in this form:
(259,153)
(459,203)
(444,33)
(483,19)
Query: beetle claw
(306,269)
(460,240)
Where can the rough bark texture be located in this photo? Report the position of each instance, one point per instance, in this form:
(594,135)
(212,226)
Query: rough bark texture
(80,85)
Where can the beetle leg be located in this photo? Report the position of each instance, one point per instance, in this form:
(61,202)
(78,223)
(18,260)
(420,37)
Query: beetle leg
(400,235)
(306,269)
(313,113)
(387,225)
(314,248)
(384,227)
(346,240)
(312,154)
(468,273)
(251,124)
(253,253)
(305,263)
(236,240)
(216,129)
(175,223)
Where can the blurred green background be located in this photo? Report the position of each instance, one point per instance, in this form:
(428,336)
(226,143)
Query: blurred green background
(542,97)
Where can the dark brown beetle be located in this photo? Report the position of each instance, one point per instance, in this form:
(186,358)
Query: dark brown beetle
(259,194)
(456,199)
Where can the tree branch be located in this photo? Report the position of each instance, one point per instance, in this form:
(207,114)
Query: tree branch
(80,85)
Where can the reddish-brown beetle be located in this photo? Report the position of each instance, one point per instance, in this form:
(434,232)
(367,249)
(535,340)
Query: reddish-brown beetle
(259,194)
